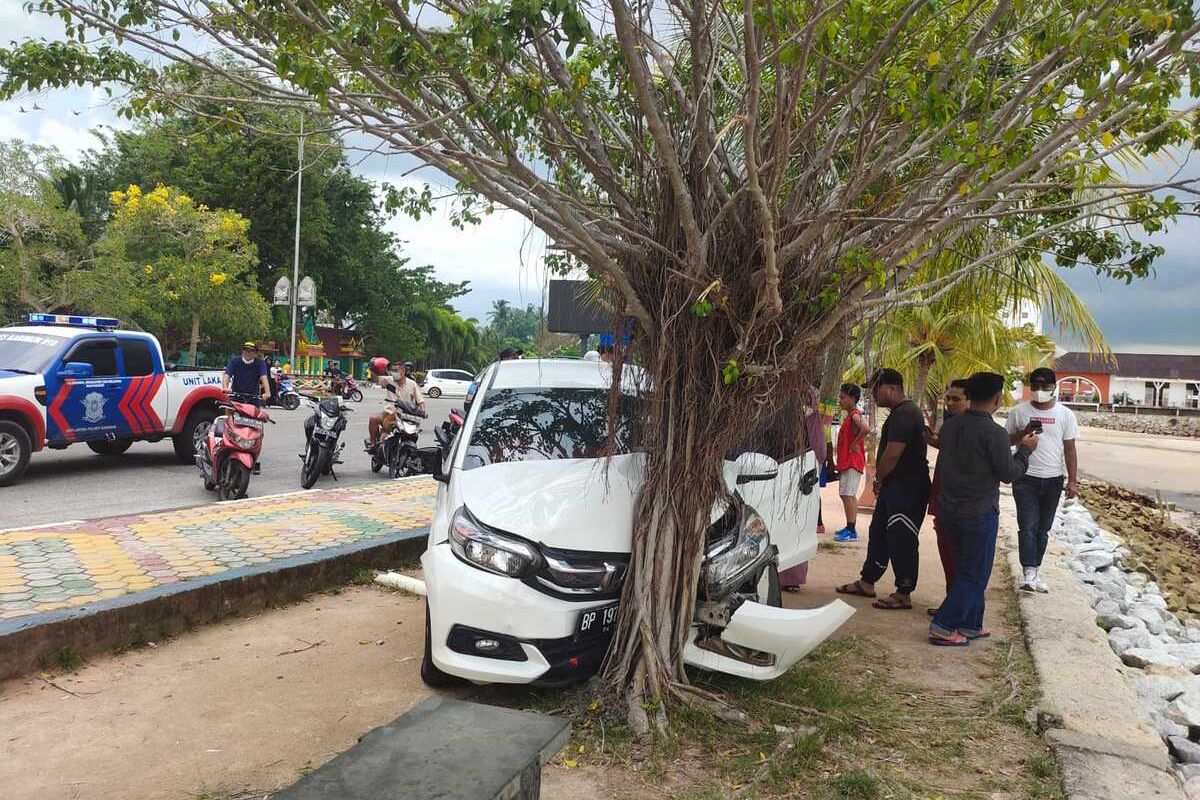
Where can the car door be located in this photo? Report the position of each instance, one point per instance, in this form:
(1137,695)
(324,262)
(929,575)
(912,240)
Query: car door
(84,409)
(457,382)
(788,505)
(144,404)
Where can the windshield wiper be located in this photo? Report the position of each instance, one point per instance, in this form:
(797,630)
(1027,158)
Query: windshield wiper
(15,369)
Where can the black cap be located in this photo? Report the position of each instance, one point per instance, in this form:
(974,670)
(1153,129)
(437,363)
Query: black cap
(1043,373)
(509,353)
(885,377)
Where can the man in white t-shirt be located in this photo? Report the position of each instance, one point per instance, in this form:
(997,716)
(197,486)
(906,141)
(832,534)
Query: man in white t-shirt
(1054,463)
(399,388)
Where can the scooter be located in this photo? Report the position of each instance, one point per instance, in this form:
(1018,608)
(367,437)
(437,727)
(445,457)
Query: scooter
(322,431)
(288,397)
(445,433)
(397,446)
(350,390)
(228,452)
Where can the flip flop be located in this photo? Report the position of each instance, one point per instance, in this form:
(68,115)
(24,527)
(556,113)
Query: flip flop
(932,611)
(982,633)
(793,589)
(954,640)
(854,589)
(892,603)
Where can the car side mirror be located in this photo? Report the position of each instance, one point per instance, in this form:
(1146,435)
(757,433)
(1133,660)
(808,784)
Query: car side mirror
(76,370)
(751,467)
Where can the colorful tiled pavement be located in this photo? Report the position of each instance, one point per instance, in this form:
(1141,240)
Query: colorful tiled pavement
(66,566)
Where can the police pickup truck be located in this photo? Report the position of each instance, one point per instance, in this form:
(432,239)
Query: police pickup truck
(71,379)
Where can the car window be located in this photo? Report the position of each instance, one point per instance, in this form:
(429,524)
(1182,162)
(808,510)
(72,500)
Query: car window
(459,376)
(100,353)
(138,360)
(547,424)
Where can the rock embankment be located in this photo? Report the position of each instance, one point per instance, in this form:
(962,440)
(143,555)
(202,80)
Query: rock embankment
(1161,647)
(1141,423)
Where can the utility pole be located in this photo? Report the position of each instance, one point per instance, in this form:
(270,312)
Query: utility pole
(296,259)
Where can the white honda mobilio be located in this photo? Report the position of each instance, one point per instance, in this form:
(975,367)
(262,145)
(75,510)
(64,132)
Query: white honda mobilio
(531,539)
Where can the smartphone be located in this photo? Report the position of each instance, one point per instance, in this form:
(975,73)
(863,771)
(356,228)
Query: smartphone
(1036,425)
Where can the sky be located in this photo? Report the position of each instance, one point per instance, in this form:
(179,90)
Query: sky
(501,257)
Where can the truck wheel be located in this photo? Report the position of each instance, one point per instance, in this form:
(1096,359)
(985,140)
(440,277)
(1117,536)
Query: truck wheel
(15,448)
(194,430)
(431,676)
(110,448)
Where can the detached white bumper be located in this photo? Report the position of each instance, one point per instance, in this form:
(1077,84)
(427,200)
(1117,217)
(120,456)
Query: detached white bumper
(788,633)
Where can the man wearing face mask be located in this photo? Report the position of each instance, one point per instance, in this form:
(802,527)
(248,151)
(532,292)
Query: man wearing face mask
(1054,463)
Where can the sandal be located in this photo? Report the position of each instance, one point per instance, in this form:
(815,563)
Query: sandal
(933,611)
(794,589)
(982,633)
(955,639)
(855,589)
(892,603)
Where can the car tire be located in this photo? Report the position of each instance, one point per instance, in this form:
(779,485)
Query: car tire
(434,392)
(115,448)
(15,449)
(185,440)
(431,676)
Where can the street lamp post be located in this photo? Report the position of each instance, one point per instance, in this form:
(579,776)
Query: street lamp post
(296,257)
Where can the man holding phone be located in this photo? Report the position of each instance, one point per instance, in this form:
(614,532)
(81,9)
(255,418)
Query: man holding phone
(1054,464)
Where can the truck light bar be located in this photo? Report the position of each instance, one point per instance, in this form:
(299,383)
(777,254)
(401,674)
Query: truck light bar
(102,323)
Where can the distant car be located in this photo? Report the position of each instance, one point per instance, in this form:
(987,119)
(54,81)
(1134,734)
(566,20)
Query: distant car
(448,382)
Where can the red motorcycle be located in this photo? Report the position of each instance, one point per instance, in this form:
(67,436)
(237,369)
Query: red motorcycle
(348,389)
(229,451)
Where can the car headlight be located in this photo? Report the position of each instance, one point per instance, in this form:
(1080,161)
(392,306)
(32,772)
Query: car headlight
(487,549)
(730,561)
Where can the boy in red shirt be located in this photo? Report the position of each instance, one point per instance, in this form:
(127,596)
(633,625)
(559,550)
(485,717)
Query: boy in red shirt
(851,458)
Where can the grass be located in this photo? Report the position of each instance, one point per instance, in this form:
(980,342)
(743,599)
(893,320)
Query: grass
(67,659)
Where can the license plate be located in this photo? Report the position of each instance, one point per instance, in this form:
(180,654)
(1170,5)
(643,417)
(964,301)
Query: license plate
(247,422)
(596,622)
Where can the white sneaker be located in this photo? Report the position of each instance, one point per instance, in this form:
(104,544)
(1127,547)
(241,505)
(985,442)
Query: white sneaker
(1038,584)
(1028,582)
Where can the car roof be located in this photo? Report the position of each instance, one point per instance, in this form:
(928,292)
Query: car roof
(56,331)
(557,373)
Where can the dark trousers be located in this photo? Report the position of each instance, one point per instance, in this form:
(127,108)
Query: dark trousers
(1036,500)
(974,541)
(946,551)
(893,537)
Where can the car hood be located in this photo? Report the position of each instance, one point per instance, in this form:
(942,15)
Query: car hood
(574,504)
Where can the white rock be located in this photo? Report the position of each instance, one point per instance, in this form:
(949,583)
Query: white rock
(1096,546)
(1106,605)
(1149,616)
(1152,599)
(1186,751)
(1136,579)
(1145,656)
(1151,588)
(1185,709)
(1158,690)
(1188,771)
(1166,728)
(1116,621)
(1096,559)
(1122,639)
(1188,654)
(1192,634)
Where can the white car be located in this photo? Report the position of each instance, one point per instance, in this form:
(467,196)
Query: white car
(448,382)
(531,539)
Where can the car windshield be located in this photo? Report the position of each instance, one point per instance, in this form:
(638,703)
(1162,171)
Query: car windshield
(26,352)
(548,424)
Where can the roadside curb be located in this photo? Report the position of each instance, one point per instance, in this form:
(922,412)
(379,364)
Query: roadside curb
(28,642)
(1090,716)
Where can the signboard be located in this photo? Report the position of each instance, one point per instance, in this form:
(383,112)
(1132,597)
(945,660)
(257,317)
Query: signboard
(282,295)
(306,293)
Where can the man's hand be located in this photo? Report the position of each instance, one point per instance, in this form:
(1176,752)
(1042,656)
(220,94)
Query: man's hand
(1030,441)
(1072,489)
(1030,427)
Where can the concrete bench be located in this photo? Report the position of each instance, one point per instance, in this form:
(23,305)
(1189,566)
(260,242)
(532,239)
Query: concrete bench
(445,749)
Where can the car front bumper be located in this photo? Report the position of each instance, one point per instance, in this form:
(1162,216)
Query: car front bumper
(461,595)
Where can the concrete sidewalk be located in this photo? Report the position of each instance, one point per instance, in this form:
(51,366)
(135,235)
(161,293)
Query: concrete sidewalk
(193,565)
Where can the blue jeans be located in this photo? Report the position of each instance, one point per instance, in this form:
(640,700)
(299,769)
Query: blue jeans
(974,541)
(1037,501)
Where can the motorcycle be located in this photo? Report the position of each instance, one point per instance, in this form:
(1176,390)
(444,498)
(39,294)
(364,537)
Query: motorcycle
(397,448)
(348,390)
(322,432)
(286,396)
(229,450)
(445,433)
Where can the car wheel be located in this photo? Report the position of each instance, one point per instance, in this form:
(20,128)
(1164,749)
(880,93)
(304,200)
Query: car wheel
(110,448)
(434,392)
(15,448)
(189,440)
(431,676)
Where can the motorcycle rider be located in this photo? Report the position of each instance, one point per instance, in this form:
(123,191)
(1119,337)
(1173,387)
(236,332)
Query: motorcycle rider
(398,388)
(337,378)
(247,377)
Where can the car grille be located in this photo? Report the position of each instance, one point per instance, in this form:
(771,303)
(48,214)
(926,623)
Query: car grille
(579,574)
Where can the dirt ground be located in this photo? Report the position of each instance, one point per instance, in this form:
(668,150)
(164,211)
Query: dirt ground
(241,709)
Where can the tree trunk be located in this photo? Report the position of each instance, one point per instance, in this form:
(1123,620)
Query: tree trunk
(195,340)
(921,388)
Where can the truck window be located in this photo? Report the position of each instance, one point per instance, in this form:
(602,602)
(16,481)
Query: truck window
(100,353)
(138,359)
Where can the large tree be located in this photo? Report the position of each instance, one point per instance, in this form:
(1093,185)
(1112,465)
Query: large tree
(747,178)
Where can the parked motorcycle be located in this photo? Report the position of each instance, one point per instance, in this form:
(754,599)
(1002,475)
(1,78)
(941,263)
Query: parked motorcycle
(348,390)
(323,429)
(229,450)
(397,448)
(445,433)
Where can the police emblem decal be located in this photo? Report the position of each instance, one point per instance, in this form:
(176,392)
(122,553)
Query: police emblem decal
(93,406)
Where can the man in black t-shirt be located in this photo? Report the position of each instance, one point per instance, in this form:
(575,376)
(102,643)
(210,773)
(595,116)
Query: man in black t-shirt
(901,495)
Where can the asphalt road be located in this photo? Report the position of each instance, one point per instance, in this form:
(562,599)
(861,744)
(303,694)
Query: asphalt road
(75,483)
